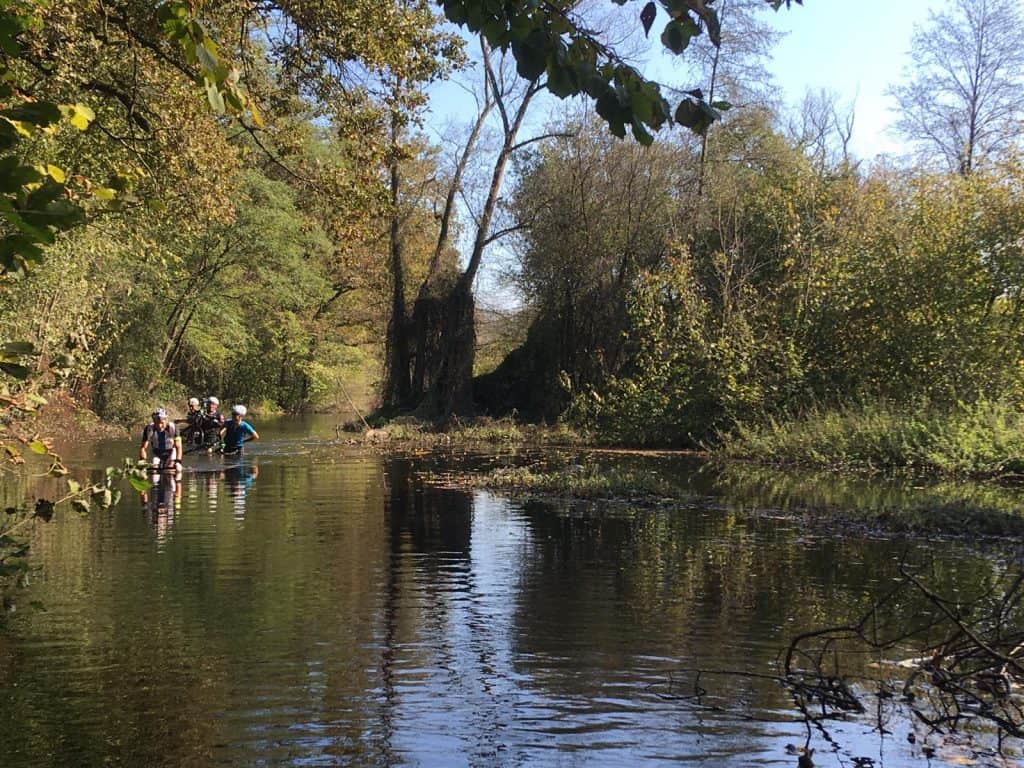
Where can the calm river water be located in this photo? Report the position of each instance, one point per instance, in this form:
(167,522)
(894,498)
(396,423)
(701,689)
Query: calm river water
(320,604)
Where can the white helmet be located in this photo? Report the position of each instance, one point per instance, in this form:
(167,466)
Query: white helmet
(159,413)
(238,410)
(193,401)
(213,401)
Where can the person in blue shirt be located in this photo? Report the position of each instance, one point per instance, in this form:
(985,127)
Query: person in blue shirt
(237,432)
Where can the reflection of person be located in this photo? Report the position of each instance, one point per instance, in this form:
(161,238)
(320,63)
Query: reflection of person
(238,479)
(162,437)
(237,432)
(161,502)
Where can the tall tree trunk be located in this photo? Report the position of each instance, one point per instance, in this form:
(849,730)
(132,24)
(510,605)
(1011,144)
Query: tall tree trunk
(397,387)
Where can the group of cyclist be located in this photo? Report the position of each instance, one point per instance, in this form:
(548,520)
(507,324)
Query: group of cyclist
(204,427)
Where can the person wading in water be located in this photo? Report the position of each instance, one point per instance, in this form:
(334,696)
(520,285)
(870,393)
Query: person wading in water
(162,437)
(237,432)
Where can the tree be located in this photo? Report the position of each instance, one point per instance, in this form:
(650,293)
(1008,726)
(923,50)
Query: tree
(824,129)
(597,213)
(733,71)
(965,92)
(553,39)
(444,315)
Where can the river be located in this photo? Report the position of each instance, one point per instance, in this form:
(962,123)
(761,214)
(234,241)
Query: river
(324,604)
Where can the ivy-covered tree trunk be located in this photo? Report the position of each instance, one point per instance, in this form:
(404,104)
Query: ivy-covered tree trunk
(445,334)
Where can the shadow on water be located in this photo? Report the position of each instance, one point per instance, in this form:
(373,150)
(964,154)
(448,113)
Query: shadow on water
(319,605)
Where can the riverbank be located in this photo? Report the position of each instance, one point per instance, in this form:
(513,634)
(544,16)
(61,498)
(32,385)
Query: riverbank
(479,431)
(824,501)
(982,440)
(63,421)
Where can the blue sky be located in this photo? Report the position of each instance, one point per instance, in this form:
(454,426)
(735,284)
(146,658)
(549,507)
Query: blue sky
(854,47)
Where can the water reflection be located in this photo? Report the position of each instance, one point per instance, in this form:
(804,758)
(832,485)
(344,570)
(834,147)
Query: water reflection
(237,480)
(161,502)
(364,616)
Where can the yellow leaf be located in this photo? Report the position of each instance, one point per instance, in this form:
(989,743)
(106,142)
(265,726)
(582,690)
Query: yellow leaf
(18,126)
(82,116)
(256,117)
(39,447)
(56,173)
(103,193)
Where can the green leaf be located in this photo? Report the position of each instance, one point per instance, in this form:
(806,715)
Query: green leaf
(14,175)
(140,484)
(561,81)
(17,349)
(697,116)
(677,34)
(531,54)
(73,485)
(46,207)
(13,370)
(640,133)
(10,28)
(39,447)
(38,113)
(206,55)
(455,10)
(16,248)
(609,108)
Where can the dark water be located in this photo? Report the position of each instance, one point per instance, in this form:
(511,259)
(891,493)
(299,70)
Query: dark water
(322,605)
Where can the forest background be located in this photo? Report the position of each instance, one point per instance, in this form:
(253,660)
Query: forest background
(239,198)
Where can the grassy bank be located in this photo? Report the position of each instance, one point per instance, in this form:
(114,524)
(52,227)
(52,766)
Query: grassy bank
(980,440)
(478,431)
(581,481)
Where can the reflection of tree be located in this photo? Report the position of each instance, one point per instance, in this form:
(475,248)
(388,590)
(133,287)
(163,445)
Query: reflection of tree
(902,502)
(702,585)
(421,521)
(440,585)
(428,521)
